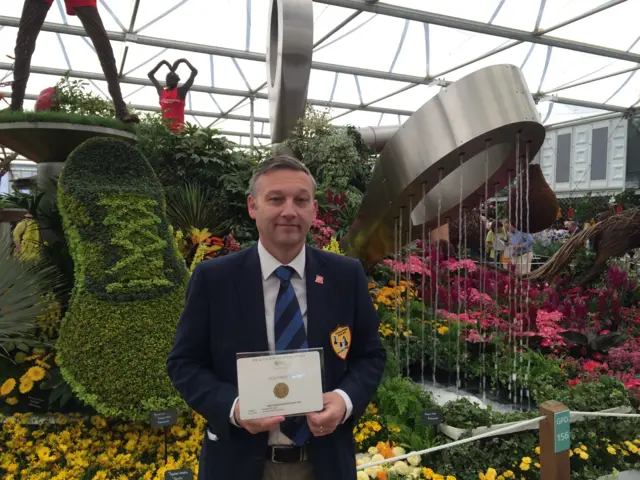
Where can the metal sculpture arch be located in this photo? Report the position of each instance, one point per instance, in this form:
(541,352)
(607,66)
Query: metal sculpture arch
(469,135)
(289,53)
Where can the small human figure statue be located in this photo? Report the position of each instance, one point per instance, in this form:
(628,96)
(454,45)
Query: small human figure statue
(172,98)
(34,13)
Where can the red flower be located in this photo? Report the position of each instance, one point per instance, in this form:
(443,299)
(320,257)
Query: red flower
(591,365)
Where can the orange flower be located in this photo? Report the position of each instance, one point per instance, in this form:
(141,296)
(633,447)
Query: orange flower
(385,449)
(382,475)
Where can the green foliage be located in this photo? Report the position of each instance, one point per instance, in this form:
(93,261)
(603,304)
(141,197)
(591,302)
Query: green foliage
(188,207)
(199,156)
(336,156)
(463,413)
(401,403)
(592,342)
(64,117)
(71,97)
(130,281)
(24,289)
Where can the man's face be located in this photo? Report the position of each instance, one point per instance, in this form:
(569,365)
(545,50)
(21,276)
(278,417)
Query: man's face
(283,207)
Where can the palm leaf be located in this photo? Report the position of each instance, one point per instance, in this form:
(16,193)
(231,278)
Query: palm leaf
(190,206)
(23,286)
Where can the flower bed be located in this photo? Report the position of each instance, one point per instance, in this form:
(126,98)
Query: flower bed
(98,449)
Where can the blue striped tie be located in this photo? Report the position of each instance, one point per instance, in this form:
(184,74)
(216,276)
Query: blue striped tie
(290,334)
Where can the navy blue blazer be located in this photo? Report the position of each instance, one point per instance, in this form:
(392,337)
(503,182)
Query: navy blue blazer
(224,314)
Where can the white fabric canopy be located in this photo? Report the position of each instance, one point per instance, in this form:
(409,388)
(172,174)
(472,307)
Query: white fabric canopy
(378,44)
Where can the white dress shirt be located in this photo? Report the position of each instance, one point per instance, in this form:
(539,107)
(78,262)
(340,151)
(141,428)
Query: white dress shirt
(270,288)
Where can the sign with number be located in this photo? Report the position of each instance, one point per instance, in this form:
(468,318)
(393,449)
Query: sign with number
(562,431)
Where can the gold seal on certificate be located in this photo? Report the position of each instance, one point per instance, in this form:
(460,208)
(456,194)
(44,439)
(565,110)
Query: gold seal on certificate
(279,385)
(281,390)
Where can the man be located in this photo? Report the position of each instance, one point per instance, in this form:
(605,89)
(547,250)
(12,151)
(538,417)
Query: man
(34,13)
(172,98)
(572,227)
(233,306)
(521,250)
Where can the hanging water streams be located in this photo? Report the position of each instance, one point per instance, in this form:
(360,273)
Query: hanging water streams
(435,279)
(408,283)
(423,275)
(459,288)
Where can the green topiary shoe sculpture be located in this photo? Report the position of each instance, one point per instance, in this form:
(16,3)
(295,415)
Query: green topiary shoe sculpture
(129,286)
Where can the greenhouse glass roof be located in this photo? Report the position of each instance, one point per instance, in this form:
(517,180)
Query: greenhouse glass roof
(374,62)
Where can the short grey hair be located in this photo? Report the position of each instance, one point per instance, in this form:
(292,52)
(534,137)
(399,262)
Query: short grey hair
(279,162)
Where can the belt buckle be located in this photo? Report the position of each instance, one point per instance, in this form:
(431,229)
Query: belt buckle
(273,455)
(275,448)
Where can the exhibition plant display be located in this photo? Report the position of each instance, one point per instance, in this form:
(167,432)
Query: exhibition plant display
(476,345)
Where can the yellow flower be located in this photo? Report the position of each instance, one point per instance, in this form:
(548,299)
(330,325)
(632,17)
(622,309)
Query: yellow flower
(7,387)
(442,330)
(508,474)
(526,459)
(11,401)
(537,450)
(524,466)
(334,247)
(26,384)
(451,477)
(611,450)
(491,474)
(36,373)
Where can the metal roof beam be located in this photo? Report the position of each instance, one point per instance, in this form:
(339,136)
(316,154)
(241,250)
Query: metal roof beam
(590,80)
(212,50)
(586,104)
(583,15)
(59,72)
(480,27)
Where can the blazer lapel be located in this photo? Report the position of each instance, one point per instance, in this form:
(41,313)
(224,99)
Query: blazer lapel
(251,321)
(317,300)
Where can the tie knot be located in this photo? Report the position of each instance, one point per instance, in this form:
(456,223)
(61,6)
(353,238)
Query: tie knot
(284,273)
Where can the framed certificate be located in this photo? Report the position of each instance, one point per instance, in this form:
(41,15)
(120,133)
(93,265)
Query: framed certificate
(280,384)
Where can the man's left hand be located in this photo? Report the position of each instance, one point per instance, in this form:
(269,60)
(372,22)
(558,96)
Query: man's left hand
(333,411)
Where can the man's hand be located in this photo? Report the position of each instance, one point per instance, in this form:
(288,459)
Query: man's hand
(256,426)
(333,411)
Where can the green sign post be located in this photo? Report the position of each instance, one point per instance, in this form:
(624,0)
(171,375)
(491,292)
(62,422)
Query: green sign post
(562,431)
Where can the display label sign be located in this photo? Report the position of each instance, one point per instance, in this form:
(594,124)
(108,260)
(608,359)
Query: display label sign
(432,416)
(164,418)
(183,474)
(562,431)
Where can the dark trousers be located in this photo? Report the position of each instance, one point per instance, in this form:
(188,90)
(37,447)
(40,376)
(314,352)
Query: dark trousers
(34,13)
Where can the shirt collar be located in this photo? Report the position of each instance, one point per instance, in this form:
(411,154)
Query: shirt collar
(268,263)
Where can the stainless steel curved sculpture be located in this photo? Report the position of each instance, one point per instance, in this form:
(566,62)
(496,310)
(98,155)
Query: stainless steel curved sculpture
(478,119)
(289,52)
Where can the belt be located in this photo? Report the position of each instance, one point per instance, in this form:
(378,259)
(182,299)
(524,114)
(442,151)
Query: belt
(287,454)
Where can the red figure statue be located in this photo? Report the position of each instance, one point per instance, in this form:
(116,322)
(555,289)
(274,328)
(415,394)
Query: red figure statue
(172,98)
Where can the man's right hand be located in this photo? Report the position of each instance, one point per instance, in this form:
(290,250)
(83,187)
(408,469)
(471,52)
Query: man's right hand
(256,426)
